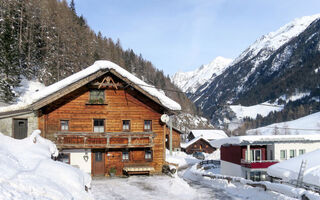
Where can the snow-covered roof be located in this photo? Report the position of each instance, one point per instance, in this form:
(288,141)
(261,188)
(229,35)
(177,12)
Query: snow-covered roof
(289,169)
(209,134)
(261,139)
(98,65)
(185,145)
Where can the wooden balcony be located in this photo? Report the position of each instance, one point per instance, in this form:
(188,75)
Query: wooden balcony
(69,140)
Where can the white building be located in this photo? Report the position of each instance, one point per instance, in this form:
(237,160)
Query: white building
(264,151)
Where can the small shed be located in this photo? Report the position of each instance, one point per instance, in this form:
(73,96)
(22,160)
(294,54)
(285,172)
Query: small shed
(176,138)
(198,144)
(208,134)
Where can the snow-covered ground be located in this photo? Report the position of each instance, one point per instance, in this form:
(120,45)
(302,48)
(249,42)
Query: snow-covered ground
(309,124)
(145,188)
(28,172)
(252,111)
(288,170)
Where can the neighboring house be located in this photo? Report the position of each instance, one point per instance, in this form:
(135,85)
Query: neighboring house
(198,144)
(176,138)
(208,134)
(264,151)
(102,119)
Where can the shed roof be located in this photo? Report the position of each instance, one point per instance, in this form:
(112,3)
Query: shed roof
(209,134)
(185,145)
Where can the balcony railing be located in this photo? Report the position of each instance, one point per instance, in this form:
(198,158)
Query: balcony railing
(258,163)
(104,140)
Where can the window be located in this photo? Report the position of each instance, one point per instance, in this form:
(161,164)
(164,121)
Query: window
(64,157)
(125,156)
(98,156)
(283,154)
(302,151)
(147,125)
(255,155)
(148,155)
(96,97)
(292,153)
(98,125)
(64,125)
(126,125)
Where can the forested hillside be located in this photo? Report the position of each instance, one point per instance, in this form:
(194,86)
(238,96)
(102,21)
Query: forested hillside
(45,39)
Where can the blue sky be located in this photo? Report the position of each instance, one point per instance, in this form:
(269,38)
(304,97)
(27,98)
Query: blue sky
(181,35)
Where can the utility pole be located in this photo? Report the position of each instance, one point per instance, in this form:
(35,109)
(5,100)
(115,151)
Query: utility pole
(170,136)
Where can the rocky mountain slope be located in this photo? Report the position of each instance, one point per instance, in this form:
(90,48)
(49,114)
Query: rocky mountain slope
(190,81)
(276,65)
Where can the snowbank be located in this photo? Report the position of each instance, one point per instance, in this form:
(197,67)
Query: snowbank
(309,124)
(288,170)
(98,65)
(181,159)
(240,187)
(28,172)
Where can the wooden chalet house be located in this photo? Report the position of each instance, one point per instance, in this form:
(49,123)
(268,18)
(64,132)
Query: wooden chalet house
(102,119)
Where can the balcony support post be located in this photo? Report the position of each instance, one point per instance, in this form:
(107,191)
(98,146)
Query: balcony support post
(248,153)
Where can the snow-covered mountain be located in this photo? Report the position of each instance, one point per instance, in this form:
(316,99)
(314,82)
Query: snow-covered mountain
(270,42)
(190,81)
(275,65)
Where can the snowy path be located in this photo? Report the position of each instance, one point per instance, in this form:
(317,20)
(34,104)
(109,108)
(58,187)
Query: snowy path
(152,187)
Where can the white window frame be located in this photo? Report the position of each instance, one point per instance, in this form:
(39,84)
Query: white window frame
(285,154)
(294,153)
(64,127)
(303,151)
(100,128)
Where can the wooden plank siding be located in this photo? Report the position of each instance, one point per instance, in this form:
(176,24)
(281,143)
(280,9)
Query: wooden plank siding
(120,104)
(176,139)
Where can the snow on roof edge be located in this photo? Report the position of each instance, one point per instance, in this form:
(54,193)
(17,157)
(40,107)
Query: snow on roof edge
(185,145)
(238,140)
(98,65)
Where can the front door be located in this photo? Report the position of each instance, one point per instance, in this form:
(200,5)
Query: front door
(20,128)
(98,168)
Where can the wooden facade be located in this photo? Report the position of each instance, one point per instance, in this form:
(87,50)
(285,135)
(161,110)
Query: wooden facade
(69,122)
(199,145)
(176,138)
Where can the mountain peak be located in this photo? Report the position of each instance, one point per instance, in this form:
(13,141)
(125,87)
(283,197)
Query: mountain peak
(273,40)
(192,80)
